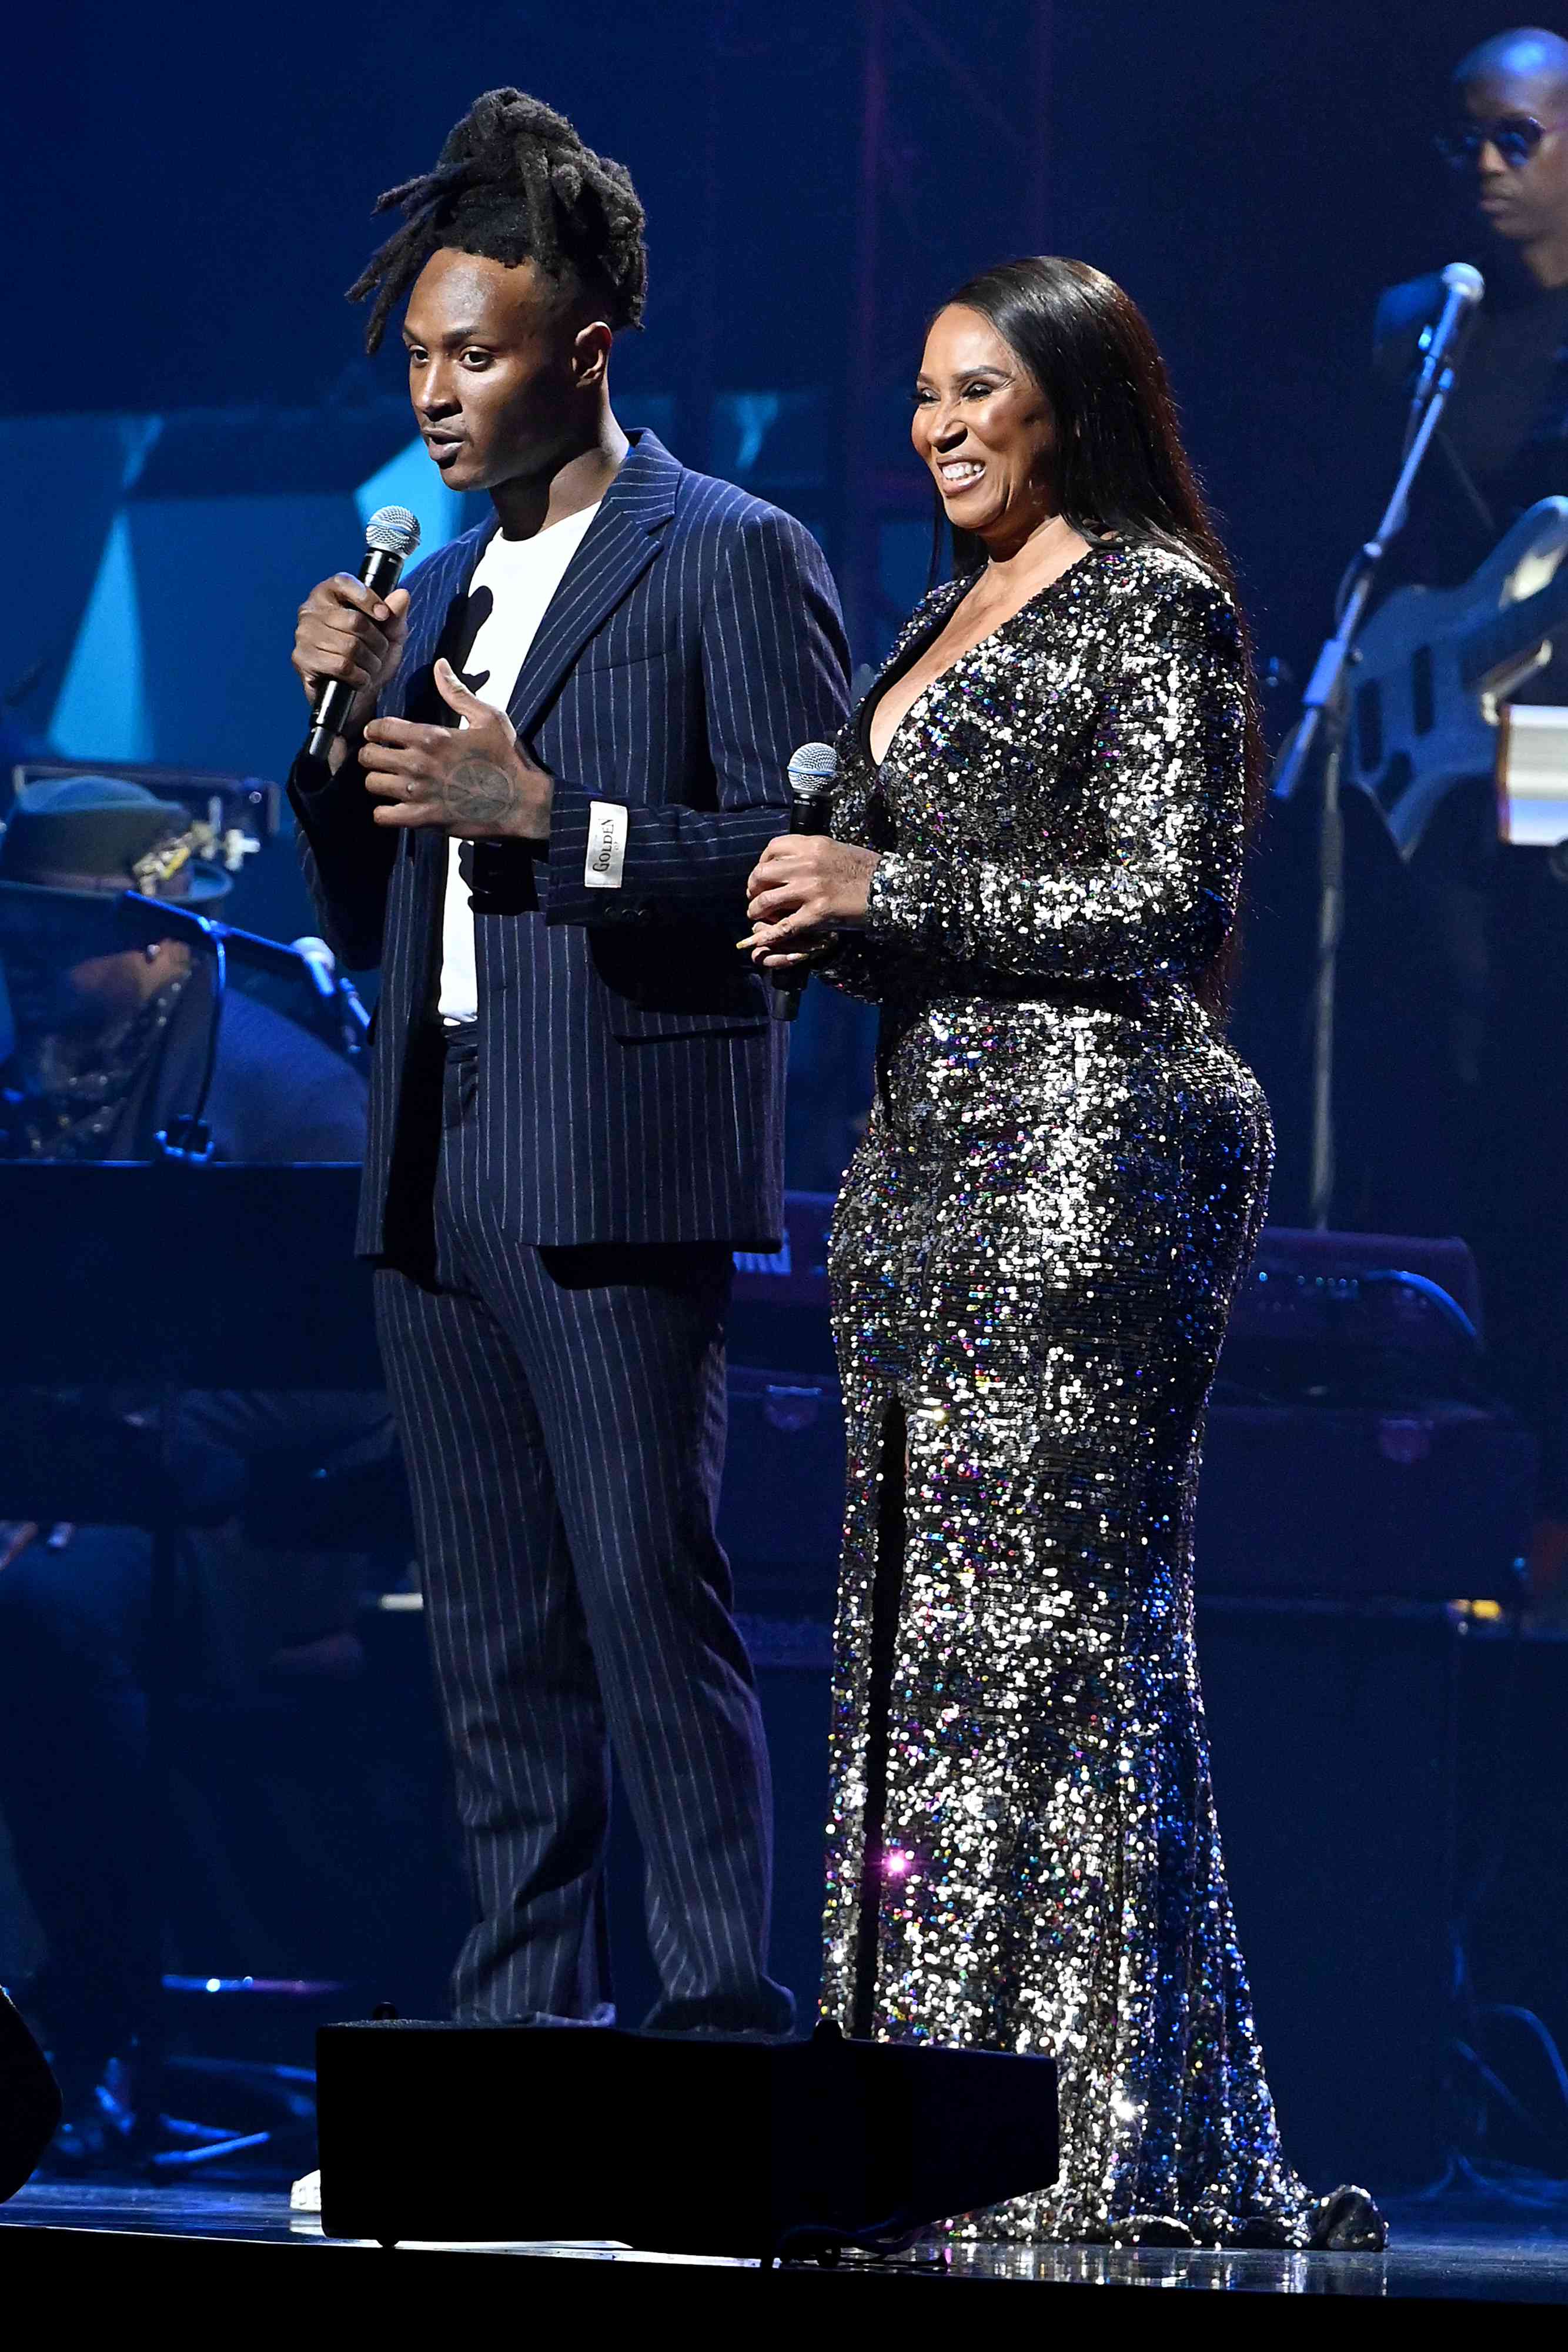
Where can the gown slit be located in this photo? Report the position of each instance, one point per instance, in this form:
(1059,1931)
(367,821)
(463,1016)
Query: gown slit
(887,1601)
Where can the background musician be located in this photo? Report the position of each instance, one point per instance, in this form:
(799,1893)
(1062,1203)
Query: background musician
(107,1049)
(1493,950)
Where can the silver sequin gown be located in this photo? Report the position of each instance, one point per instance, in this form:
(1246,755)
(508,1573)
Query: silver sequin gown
(1032,1260)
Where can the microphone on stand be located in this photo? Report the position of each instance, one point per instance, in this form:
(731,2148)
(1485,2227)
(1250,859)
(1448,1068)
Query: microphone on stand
(392,536)
(334,988)
(321,964)
(1464,287)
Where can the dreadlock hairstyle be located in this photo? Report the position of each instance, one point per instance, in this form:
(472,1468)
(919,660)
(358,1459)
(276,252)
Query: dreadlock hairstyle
(515,183)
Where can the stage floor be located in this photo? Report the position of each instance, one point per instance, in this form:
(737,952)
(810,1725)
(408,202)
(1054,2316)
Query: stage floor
(1450,2250)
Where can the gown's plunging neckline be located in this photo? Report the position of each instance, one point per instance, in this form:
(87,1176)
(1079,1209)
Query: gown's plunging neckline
(897,670)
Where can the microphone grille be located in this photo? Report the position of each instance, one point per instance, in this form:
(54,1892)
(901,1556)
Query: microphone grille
(1467,283)
(811,770)
(392,530)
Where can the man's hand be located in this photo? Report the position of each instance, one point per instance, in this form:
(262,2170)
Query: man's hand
(802,889)
(472,783)
(347,634)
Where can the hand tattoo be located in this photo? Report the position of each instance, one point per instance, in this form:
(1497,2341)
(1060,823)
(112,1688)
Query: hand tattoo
(482,796)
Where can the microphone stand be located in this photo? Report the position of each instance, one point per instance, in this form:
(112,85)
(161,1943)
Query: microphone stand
(1325,711)
(187,1137)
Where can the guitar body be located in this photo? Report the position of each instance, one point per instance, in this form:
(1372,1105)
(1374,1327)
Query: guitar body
(1432,664)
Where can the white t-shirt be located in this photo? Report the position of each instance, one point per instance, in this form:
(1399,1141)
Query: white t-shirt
(522,576)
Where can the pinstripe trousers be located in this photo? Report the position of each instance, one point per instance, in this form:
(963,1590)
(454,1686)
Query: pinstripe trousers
(562,1416)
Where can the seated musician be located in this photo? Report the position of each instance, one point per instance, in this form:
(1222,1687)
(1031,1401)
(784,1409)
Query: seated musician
(108,1045)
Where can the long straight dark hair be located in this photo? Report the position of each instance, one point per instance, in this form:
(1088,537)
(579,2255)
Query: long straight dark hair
(1123,475)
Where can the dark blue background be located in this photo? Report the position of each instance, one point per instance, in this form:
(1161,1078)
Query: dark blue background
(186,192)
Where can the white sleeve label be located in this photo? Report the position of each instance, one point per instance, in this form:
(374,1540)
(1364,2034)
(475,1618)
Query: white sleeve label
(606,845)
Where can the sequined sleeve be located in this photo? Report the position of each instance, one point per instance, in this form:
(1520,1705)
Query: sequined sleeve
(1163,769)
(855,969)
(860,966)
(857,966)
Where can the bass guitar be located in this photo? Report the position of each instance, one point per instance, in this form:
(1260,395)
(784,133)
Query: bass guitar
(1432,666)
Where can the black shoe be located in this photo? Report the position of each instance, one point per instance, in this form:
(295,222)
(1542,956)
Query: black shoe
(1346,2222)
(1263,2234)
(1152,2229)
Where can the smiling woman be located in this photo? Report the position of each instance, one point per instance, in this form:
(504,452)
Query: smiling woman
(1044,415)
(1036,843)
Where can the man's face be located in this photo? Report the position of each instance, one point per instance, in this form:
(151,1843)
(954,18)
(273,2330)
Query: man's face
(56,991)
(1521,202)
(496,369)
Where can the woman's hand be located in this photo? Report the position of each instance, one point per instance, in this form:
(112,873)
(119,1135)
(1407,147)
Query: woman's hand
(803,889)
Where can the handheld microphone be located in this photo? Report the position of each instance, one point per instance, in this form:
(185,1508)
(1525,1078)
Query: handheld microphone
(1464,288)
(391,537)
(811,771)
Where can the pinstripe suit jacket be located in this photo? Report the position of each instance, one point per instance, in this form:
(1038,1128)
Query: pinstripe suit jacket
(632,1065)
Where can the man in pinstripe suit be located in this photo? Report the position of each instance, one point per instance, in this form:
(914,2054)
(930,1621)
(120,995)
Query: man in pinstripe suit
(566,753)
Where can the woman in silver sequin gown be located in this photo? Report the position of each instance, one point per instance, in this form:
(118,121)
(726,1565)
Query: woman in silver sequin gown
(1032,1262)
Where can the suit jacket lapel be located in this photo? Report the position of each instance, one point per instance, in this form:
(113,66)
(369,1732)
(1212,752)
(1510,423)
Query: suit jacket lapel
(621,542)
(438,623)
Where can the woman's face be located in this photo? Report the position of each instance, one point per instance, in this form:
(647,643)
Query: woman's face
(982,425)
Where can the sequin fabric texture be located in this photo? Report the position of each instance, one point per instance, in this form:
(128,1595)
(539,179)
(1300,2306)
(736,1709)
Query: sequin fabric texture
(1032,1262)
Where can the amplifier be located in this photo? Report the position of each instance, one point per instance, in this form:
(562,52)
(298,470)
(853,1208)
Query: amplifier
(1348,1291)
(1431,1502)
(1306,1285)
(1367,1315)
(781,1506)
(1348,1451)
(779,1309)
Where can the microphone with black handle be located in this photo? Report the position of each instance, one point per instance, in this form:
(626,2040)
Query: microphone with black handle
(811,771)
(392,535)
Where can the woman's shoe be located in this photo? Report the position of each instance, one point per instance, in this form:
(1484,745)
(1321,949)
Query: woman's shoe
(1346,2222)
(1151,2230)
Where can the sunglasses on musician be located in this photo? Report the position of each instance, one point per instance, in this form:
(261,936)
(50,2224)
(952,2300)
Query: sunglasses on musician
(1515,138)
